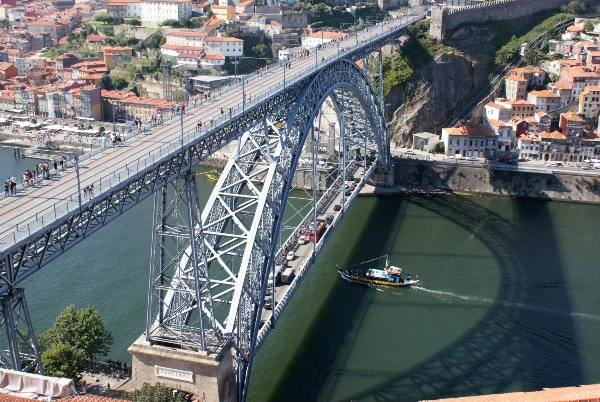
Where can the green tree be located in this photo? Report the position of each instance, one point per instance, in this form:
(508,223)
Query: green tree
(82,329)
(260,50)
(575,7)
(533,56)
(440,148)
(169,23)
(159,393)
(118,82)
(588,26)
(104,18)
(62,360)
(134,22)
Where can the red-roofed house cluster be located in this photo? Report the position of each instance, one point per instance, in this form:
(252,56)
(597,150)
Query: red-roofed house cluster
(519,125)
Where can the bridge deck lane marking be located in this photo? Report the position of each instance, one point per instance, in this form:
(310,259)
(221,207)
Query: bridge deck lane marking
(39,200)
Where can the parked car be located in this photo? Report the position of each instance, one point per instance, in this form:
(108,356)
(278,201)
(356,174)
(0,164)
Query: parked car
(511,162)
(457,156)
(551,164)
(559,164)
(471,158)
(410,152)
(587,167)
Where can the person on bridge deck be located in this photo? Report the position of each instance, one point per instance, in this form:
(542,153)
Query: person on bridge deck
(199,125)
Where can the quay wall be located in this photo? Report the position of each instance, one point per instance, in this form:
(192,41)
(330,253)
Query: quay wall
(435,177)
(445,19)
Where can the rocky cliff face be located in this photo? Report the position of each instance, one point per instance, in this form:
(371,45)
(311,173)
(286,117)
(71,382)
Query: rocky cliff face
(442,87)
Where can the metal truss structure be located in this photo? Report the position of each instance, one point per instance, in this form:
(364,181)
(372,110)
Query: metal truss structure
(210,265)
(215,287)
(166,82)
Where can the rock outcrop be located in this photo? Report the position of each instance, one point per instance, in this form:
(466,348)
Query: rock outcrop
(443,87)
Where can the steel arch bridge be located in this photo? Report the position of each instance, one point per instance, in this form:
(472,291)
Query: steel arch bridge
(211,264)
(212,290)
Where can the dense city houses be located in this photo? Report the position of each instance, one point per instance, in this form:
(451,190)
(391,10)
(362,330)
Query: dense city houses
(549,112)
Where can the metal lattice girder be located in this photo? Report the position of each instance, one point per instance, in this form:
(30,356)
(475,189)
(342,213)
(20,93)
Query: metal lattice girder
(243,216)
(22,353)
(178,271)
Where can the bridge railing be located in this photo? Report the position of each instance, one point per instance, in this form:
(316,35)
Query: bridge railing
(118,177)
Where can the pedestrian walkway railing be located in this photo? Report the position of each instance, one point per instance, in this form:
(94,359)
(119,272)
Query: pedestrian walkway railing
(189,133)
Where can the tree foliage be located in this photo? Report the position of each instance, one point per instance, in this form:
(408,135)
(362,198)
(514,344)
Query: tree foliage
(588,26)
(159,393)
(440,148)
(62,360)
(82,329)
(575,7)
(105,18)
(533,56)
(170,23)
(134,22)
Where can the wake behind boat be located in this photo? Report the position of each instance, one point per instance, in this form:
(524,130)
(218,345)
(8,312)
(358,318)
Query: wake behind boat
(390,276)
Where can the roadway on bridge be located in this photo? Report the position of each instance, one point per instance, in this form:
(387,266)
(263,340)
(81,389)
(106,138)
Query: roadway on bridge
(22,209)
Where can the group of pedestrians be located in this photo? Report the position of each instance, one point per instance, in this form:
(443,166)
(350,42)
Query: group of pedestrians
(88,192)
(116,139)
(30,177)
(10,187)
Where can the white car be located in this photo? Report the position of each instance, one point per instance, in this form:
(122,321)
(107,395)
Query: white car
(457,156)
(410,152)
(302,240)
(551,164)
(290,256)
(471,158)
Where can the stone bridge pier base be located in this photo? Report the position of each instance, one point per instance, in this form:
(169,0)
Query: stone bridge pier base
(381,178)
(211,377)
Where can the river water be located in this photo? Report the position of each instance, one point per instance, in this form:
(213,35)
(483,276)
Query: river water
(508,302)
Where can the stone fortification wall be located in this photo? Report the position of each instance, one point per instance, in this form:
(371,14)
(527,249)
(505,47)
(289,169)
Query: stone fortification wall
(446,19)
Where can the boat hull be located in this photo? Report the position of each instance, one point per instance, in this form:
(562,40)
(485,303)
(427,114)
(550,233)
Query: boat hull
(377,282)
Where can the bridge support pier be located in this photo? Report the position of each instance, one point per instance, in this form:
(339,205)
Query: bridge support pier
(211,377)
(23,353)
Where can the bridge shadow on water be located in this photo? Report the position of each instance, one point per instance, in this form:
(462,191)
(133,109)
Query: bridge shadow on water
(510,348)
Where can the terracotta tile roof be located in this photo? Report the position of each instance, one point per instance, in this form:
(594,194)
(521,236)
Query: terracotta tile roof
(96,38)
(470,131)
(545,94)
(553,135)
(220,39)
(4,66)
(182,48)
(525,137)
(327,35)
(190,34)
(497,123)
(495,106)
(583,393)
(187,56)
(571,116)
(213,57)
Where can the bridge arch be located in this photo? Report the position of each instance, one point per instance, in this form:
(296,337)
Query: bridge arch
(219,281)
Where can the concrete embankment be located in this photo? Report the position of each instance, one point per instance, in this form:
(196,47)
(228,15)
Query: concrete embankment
(425,177)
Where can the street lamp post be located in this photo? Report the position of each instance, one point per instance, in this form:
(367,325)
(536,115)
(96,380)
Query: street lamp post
(114,117)
(78,182)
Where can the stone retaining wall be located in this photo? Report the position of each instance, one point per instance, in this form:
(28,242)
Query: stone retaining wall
(446,19)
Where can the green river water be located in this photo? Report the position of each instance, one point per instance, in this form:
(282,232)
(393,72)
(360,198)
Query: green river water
(509,300)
